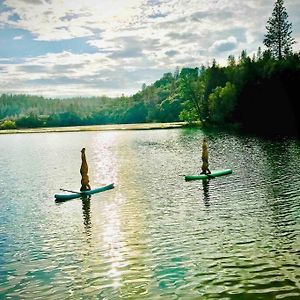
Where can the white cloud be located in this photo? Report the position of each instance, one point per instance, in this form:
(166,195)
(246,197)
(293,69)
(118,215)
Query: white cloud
(56,19)
(81,74)
(137,40)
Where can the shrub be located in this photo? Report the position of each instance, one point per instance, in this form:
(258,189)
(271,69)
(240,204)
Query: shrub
(8,124)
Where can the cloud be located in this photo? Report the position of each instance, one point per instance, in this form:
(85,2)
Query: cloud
(224,45)
(32,68)
(157,15)
(34,2)
(183,36)
(49,20)
(128,52)
(112,47)
(59,75)
(171,53)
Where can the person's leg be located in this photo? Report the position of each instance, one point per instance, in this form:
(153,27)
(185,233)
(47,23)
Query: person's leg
(85,188)
(204,167)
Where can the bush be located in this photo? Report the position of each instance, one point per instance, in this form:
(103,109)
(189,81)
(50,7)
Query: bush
(8,124)
(30,121)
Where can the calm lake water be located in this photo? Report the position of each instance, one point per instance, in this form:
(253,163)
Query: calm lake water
(154,236)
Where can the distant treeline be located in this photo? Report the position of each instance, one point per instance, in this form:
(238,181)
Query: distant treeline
(258,93)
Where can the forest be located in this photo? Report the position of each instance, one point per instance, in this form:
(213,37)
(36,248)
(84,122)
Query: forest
(257,94)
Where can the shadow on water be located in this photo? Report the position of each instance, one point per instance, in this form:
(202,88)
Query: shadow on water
(86,211)
(205,185)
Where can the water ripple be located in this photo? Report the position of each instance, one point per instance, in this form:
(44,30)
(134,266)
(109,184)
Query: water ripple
(154,236)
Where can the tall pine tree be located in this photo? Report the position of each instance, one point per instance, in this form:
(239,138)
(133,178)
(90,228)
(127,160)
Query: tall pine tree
(278,38)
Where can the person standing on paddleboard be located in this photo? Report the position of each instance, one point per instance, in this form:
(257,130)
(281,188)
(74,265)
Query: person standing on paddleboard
(205,169)
(85,186)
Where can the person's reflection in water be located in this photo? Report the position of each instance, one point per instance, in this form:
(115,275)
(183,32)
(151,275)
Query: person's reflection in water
(86,211)
(205,184)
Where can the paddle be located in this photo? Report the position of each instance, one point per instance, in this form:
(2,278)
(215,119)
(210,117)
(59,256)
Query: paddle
(208,175)
(70,191)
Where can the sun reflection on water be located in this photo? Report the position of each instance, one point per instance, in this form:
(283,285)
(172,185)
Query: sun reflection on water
(104,160)
(112,237)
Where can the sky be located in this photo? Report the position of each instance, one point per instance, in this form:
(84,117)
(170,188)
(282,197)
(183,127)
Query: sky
(64,48)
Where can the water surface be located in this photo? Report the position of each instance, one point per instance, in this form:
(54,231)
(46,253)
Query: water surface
(154,236)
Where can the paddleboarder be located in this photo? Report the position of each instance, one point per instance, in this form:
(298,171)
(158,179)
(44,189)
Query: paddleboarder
(85,186)
(205,169)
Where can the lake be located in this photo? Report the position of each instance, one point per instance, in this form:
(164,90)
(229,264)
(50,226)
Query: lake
(154,236)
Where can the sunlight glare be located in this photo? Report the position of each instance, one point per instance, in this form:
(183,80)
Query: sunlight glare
(104,159)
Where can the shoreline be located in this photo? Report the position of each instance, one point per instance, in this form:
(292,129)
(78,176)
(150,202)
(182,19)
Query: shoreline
(138,126)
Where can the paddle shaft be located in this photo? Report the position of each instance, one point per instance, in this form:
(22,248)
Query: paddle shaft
(70,191)
(208,175)
(74,191)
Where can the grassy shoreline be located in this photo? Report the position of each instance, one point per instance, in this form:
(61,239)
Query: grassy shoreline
(140,126)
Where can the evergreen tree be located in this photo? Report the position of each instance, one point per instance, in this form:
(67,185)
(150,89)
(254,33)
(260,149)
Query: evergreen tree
(176,73)
(259,54)
(231,61)
(278,38)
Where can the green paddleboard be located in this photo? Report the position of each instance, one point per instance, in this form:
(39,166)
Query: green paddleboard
(213,174)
